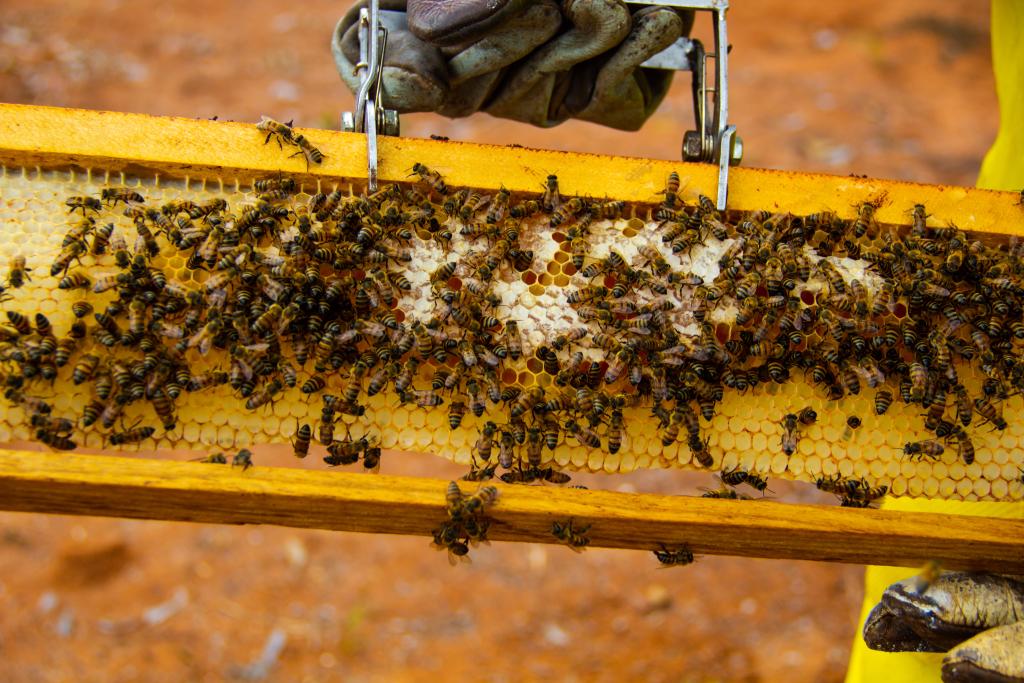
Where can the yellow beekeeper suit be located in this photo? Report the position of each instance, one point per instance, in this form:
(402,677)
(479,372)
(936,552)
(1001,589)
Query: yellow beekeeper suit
(1003,169)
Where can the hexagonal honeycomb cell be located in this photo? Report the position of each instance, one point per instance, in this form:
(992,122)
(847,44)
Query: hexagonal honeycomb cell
(437,329)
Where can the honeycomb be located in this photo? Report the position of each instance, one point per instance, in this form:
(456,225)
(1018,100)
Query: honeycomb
(747,431)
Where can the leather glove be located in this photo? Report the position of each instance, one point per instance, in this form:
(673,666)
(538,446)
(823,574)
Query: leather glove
(977,618)
(537,61)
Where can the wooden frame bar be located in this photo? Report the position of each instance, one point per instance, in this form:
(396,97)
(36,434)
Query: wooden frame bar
(51,137)
(196,492)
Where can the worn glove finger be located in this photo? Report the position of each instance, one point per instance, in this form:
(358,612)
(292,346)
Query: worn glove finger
(623,95)
(535,89)
(477,71)
(945,612)
(414,76)
(886,632)
(993,656)
(508,43)
(453,22)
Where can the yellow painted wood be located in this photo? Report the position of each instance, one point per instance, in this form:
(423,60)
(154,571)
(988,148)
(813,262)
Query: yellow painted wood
(175,147)
(196,492)
(136,143)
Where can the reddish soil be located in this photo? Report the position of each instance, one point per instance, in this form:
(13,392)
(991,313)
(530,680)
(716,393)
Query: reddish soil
(900,90)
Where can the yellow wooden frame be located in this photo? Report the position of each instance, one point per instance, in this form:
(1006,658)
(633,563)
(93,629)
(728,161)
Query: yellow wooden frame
(106,142)
(201,149)
(197,492)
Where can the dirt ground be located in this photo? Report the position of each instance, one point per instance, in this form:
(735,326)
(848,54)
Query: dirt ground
(901,90)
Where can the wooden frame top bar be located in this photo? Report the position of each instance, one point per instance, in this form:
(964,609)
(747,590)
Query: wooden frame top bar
(52,137)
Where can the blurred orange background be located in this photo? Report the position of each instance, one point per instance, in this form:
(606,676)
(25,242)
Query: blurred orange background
(897,90)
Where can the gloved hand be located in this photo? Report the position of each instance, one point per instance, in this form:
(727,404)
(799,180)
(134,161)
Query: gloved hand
(977,618)
(538,61)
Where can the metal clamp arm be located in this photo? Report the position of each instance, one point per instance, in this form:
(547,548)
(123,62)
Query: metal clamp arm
(714,140)
(370,116)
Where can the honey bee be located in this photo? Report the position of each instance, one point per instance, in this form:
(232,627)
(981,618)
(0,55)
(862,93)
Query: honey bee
(303,435)
(346,451)
(699,448)
(790,433)
(282,132)
(164,407)
(551,199)
(733,477)
(274,184)
(506,449)
(56,425)
(725,493)
(476,504)
(132,436)
(965,447)
(84,204)
(207,380)
(526,401)
(919,221)
(850,380)
(371,459)
(63,261)
(832,276)
(586,436)
(499,205)
(113,195)
(988,411)
(424,398)
(456,411)
(454,501)
(964,408)
(74,281)
(18,273)
(55,440)
(146,236)
(19,322)
(677,556)
(483,446)
(807,416)
(671,191)
(865,218)
(65,347)
(852,492)
(929,448)
(203,339)
(430,178)
(80,309)
(477,473)
(213,459)
(530,207)
(243,459)
(513,339)
(567,211)
(450,536)
(112,410)
(534,446)
(470,206)
(107,282)
(265,395)
(576,538)
(614,434)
